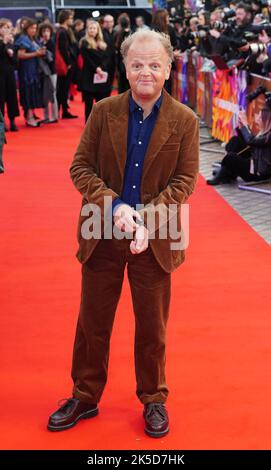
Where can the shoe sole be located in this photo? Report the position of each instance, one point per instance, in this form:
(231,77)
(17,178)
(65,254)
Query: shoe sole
(88,414)
(156,433)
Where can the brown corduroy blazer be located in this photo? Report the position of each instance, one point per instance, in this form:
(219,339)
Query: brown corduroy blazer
(169,173)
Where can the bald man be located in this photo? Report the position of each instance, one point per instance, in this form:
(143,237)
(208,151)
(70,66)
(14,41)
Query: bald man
(140,148)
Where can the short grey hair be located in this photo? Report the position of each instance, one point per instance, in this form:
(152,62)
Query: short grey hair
(147,36)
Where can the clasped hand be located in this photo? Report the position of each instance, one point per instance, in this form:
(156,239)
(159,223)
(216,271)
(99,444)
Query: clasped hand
(124,221)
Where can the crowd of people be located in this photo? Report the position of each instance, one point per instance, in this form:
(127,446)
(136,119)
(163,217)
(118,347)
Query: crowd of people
(238,32)
(49,63)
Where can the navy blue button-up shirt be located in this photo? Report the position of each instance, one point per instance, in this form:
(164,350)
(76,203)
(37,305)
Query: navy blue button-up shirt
(139,134)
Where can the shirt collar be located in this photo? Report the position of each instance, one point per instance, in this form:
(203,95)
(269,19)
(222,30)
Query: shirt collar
(133,106)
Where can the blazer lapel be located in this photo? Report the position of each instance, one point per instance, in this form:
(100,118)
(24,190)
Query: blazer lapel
(118,130)
(163,129)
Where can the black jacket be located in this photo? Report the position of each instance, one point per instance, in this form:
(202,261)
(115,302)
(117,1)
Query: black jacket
(7,63)
(93,58)
(261,150)
(67,48)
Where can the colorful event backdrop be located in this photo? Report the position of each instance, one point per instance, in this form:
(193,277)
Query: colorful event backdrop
(216,95)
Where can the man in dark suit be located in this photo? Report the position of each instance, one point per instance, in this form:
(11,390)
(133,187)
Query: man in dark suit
(140,147)
(109,37)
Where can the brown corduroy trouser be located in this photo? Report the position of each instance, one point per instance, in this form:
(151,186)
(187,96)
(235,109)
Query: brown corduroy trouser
(102,278)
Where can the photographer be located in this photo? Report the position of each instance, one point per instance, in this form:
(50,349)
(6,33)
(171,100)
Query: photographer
(185,38)
(234,33)
(214,41)
(266,66)
(256,167)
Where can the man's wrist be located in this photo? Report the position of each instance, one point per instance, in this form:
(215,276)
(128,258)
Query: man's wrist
(116,203)
(140,222)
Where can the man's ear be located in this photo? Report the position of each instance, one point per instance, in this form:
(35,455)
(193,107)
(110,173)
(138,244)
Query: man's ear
(168,70)
(126,70)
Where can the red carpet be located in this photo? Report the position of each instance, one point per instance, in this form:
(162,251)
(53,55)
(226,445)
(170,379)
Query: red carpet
(219,349)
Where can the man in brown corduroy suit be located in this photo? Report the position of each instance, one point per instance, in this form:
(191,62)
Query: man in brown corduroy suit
(138,148)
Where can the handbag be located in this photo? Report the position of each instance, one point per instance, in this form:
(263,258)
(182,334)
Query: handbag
(80,61)
(60,65)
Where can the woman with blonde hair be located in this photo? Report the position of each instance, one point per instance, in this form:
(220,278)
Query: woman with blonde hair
(94,82)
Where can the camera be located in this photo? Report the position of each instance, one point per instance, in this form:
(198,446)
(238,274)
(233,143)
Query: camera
(176,19)
(228,13)
(259,91)
(197,34)
(257,48)
(220,25)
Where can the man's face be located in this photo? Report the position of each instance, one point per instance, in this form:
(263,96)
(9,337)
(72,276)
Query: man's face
(32,30)
(108,22)
(79,27)
(202,20)
(242,16)
(139,21)
(255,7)
(147,68)
(193,23)
(5,29)
(70,21)
(46,34)
(258,119)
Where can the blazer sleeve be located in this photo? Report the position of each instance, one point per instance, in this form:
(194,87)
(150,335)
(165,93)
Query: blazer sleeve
(182,183)
(83,170)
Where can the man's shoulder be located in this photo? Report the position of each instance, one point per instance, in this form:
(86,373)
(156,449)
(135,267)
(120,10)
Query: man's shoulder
(115,104)
(180,110)
(119,104)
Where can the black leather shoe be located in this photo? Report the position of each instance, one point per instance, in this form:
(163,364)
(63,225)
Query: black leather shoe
(13,127)
(68,115)
(156,419)
(222,176)
(70,413)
